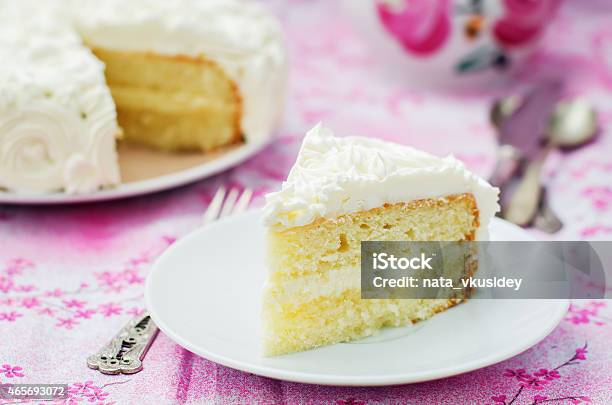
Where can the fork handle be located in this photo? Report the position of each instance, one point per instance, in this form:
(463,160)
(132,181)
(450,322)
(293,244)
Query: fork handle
(125,352)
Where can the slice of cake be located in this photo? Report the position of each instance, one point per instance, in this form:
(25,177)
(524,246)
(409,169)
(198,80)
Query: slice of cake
(342,191)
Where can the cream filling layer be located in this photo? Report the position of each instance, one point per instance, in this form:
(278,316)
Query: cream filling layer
(305,288)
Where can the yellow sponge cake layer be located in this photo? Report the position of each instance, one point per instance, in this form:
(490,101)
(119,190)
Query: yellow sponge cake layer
(335,243)
(343,318)
(312,297)
(173,102)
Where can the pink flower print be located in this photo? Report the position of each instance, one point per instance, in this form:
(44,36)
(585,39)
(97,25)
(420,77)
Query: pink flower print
(135,311)
(421,26)
(581,353)
(578,319)
(30,302)
(138,260)
(499,399)
(110,309)
(54,293)
(13,270)
(16,266)
(547,374)
(74,303)
(135,279)
(116,288)
(25,288)
(577,315)
(107,278)
(539,398)
(6,284)
(601,197)
(10,316)
(11,371)
(520,374)
(46,311)
(523,20)
(533,383)
(82,388)
(67,323)
(84,313)
(591,231)
(96,395)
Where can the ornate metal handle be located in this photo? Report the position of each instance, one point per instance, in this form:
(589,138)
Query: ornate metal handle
(125,352)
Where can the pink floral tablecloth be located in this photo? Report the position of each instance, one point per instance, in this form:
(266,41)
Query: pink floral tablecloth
(71,276)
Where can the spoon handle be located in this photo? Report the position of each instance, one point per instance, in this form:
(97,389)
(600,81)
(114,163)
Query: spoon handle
(546,219)
(508,158)
(523,203)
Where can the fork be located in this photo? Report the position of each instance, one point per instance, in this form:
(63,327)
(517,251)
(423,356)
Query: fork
(125,353)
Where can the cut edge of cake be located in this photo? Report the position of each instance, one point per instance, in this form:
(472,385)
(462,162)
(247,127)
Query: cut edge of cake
(312,294)
(199,109)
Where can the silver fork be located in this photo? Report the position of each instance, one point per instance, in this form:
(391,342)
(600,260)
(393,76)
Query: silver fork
(126,351)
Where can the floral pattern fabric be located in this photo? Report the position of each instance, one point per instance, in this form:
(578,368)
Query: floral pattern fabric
(71,276)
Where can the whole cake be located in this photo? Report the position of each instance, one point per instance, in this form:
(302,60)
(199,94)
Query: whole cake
(170,74)
(342,191)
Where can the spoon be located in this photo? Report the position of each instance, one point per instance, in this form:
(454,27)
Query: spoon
(573,123)
(514,150)
(521,120)
(508,156)
(503,108)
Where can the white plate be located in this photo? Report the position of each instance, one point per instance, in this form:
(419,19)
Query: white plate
(204,293)
(145,171)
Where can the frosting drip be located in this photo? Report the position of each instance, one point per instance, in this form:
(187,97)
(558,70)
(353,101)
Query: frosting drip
(334,176)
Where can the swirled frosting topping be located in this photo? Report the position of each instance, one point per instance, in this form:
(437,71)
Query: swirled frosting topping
(54,104)
(334,176)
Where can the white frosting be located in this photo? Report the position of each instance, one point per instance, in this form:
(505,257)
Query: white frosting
(334,176)
(54,104)
(239,36)
(57,118)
